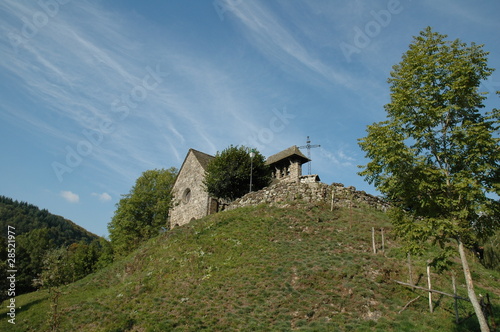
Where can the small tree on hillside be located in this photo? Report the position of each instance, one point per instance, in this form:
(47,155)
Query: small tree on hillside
(56,270)
(228,174)
(141,213)
(437,157)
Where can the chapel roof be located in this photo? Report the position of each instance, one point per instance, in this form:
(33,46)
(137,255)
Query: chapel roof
(291,152)
(202,157)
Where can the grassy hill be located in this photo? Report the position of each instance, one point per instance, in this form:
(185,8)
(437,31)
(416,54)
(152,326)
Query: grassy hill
(299,267)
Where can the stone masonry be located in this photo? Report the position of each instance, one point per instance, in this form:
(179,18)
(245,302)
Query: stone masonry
(286,165)
(191,201)
(282,192)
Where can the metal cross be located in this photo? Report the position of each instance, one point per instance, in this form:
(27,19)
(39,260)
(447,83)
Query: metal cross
(308,146)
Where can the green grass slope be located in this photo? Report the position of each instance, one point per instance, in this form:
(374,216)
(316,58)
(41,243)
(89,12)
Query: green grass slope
(301,268)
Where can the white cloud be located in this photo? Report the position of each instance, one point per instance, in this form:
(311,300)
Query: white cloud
(104,197)
(70,196)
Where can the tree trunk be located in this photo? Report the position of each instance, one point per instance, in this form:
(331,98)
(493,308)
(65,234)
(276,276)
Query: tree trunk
(470,289)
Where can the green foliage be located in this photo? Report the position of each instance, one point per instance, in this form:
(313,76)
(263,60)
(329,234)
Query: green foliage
(37,232)
(105,253)
(228,174)
(56,268)
(4,282)
(143,211)
(436,157)
(64,265)
(31,249)
(491,253)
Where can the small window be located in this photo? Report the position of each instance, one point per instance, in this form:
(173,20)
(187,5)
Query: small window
(186,196)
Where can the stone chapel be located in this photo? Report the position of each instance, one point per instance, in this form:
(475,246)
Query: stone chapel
(191,201)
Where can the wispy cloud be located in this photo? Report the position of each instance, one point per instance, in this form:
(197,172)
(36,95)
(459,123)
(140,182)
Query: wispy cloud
(75,69)
(70,196)
(87,59)
(465,11)
(275,40)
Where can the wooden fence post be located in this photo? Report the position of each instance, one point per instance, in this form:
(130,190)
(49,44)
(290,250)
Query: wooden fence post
(383,240)
(455,293)
(350,212)
(333,196)
(373,241)
(429,284)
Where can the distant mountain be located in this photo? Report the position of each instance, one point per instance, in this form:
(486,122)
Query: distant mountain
(26,217)
(36,232)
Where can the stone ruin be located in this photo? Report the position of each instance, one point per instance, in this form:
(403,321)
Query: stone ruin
(313,192)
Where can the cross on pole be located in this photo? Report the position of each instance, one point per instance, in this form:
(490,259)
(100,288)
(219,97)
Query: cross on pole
(308,146)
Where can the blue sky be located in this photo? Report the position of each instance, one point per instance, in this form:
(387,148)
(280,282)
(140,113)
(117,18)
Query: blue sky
(96,92)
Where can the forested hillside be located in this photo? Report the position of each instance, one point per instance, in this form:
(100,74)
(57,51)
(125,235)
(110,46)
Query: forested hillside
(26,217)
(38,232)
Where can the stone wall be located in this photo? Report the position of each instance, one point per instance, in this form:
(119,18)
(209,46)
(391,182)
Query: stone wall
(282,192)
(190,199)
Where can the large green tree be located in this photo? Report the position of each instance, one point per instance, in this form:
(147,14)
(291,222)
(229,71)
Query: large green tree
(228,174)
(437,156)
(143,211)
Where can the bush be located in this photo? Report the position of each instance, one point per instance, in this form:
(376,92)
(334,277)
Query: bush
(228,174)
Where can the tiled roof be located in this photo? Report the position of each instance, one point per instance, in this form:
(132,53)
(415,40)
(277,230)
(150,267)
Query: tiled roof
(202,158)
(292,151)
